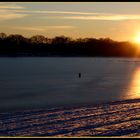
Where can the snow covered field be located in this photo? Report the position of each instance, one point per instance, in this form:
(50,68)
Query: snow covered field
(121,118)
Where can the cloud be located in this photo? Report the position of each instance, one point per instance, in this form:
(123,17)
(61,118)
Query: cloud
(23,10)
(11,16)
(10,11)
(106,17)
(85,15)
(60,27)
(58,12)
(10,6)
(43,28)
(8,15)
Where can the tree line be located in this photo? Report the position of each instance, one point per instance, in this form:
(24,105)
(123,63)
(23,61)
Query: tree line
(38,45)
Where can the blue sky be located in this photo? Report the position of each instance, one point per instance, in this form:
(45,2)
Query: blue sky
(117,20)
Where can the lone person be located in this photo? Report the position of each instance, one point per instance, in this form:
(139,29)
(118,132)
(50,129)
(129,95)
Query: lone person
(79,75)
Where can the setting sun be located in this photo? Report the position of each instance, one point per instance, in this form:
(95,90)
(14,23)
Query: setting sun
(137,38)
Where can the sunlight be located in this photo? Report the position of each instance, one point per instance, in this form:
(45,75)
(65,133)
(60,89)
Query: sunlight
(134,87)
(137,38)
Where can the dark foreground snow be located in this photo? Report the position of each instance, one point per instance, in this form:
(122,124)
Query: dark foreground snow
(120,118)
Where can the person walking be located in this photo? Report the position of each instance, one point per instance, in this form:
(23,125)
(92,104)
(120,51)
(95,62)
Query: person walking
(79,75)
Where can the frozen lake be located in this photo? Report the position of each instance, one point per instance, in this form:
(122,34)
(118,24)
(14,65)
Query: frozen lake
(43,82)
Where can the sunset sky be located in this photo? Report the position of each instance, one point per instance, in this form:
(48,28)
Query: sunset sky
(117,20)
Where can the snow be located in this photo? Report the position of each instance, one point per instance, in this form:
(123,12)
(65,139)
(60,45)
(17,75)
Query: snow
(120,118)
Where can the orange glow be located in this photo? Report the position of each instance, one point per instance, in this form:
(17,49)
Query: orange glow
(134,87)
(137,38)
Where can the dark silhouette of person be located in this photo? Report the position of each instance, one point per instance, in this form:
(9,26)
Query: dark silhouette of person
(79,75)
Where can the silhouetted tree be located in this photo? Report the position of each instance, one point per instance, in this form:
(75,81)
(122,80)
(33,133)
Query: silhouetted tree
(3,36)
(38,45)
(38,39)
